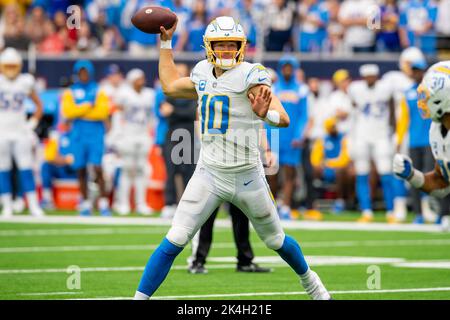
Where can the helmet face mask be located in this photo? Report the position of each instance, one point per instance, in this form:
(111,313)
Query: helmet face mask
(10,71)
(224,29)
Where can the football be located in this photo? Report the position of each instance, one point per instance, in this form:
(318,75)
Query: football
(149,19)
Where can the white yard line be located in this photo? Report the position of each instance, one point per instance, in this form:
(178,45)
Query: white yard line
(297,225)
(289,293)
(230,263)
(76,232)
(50,293)
(226,245)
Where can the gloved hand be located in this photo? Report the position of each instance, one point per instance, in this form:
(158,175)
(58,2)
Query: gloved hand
(403,166)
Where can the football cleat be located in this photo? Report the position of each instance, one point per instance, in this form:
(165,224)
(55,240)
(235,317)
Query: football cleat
(144,210)
(85,212)
(197,268)
(7,213)
(365,218)
(37,212)
(122,210)
(419,219)
(105,212)
(314,287)
(253,267)
(313,214)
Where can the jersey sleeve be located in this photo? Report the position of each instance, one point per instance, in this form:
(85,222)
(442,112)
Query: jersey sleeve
(28,83)
(197,71)
(258,74)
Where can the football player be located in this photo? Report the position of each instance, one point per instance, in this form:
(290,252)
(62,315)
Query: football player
(16,133)
(372,138)
(234,97)
(135,103)
(434,103)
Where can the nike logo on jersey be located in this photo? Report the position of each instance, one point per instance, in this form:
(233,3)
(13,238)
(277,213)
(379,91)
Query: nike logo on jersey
(262,79)
(247,183)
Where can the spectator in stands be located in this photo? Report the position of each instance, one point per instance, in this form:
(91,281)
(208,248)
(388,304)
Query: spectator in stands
(36,18)
(443,21)
(417,25)
(17,38)
(53,42)
(183,13)
(280,17)
(11,26)
(247,19)
(354,15)
(335,31)
(192,38)
(141,43)
(330,160)
(86,42)
(53,6)
(69,35)
(58,159)
(388,38)
(314,17)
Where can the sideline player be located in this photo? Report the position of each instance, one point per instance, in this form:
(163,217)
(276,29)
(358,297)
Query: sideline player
(135,103)
(88,108)
(372,138)
(15,132)
(434,103)
(234,96)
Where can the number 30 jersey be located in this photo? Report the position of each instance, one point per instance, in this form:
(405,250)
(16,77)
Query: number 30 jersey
(12,107)
(230,130)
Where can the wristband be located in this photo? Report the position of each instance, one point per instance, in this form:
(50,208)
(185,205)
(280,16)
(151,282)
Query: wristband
(272,117)
(166,44)
(417,179)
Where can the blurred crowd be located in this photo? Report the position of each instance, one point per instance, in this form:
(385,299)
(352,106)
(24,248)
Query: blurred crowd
(334,26)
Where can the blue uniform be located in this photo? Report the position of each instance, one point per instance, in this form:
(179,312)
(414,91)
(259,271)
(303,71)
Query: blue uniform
(419,128)
(88,108)
(293,95)
(413,16)
(311,36)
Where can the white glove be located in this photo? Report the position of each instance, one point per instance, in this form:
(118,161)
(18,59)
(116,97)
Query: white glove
(403,166)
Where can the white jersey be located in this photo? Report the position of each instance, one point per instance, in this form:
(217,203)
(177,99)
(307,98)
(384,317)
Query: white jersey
(398,83)
(137,109)
(229,127)
(440,146)
(339,101)
(371,119)
(13,93)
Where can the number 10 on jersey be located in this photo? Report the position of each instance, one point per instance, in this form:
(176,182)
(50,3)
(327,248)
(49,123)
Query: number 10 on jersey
(215,112)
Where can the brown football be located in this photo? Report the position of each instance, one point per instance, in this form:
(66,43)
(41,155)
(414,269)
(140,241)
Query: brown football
(149,19)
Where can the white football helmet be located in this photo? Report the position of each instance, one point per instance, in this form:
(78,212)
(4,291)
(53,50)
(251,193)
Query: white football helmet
(434,91)
(409,56)
(10,63)
(224,29)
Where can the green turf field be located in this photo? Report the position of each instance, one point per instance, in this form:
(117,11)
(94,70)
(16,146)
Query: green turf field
(34,259)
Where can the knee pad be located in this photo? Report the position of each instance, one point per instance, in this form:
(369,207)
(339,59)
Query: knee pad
(274,241)
(179,236)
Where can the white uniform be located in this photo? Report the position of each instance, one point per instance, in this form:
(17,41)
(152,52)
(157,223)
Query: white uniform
(15,137)
(229,168)
(372,135)
(440,146)
(132,128)
(131,135)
